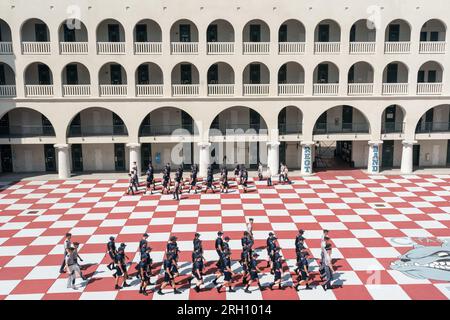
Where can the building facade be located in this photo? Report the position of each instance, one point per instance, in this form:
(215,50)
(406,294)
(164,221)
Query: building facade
(97,85)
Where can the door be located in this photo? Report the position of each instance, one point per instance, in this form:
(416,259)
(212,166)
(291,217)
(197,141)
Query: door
(324,33)
(434,36)
(282,33)
(282,152)
(387,156)
(50,158)
(40,30)
(416,155)
(143,74)
(392,72)
(389,119)
(255,73)
(141,33)
(2,75)
(322,73)
(77,157)
(187,122)
(347,118)
(432,75)
(394,33)
(119,156)
(146,155)
(69,34)
(185,33)
(421,76)
(116,74)
(423,36)
(186,73)
(282,74)
(113,33)
(213,74)
(6,158)
(351,75)
(43,74)
(255,33)
(72,74)
(118,125)
(212,33)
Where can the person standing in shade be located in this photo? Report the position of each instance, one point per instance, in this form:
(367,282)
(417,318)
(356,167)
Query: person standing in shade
(254,270)
(177,186)
(210,181)
(286,175)
(169,278)
(112,252)
(237,171)
(150,178)
(135,177)
(224,185)
(67,245)
(227,273)
(244,180)
(269,177)
(165,182)
(281,175)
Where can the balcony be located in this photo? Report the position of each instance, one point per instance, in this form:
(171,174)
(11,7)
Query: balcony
(362,47)
(180,90)
(6,48)
(291,47)
(432,47)
(73,47)
(39,90)
(220,89)
(166,130)
(149,90)
(79,131)
(327,47)
(397,47)
(325,89)
(291,89)
(80,90)
(26,131)
(292,128)
(220,47)
(36,47)
(395,88)
(111,47)
(227,128)
(147,47)
(360,89)
(392,127)
(256,47)
(433,127)
(256,89)
(7,91)
(429,88)
(332,128)
(113,90)
(184,47)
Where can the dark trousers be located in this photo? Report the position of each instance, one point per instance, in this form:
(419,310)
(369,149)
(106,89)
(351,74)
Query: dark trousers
(63,265)
(269,181)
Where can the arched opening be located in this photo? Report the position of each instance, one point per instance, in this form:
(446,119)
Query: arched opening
(395,78)
(185,79)
(7,81)
(256,37)
(184,37)
(398,31)
(256,79)
(393,120)
(73,30)
(435,120)
(363,37)
(291,37)
(149,80)
(110,37)
(38,80)
(113,80)
(290,120)
(5,38)
(76,80)
(291,79)
(327,37)
(220,79)
(326,79)
(290,124)
(220,37)
(147,36)
(429,78)
(35,37)
(433,32)
(360,79)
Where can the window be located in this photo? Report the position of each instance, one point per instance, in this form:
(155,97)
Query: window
(141,33)
(113,33)
(72,74)
(282,34)
(255,74)
(421,76)
(185,33)
(434,36)
(423,36)
(282,74)
(69,34)
(213,74)
(432,74)
(394,33)
(324,32)
(43,74)
(40,30)
(143,74)
(255,33)
(212,33)
(392,73)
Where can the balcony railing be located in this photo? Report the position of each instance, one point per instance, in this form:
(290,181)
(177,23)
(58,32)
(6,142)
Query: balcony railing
(327,47)
(291,128)
(149,90)
(362,47)
(256,47)
(73,47)
(291,89)
(291,47)
(8,91)
(256,89)
(36,47)
(79,90)
(220,47)
(166,130)
(148,47)
(429,88)
(397,47)
(79,131)
(360,89)
(395,88)
(24,131)
(433,127)
(184,47)
(392,127)
(110,47)
(332,128)
(220,89)
(237,128)
(432,47)
(39,90)
(6,48)
(325,89)
(185,90)
(111,90)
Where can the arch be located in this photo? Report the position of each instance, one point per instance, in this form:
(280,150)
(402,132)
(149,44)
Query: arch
(264,34)
(225,31)
(428,66)
(83,74)
(264,73)
(155,34)
(79,34)
(294,73)
(334,34)
(332,76)
(178,76)
(363,30)
(176,36)
(152,74)
(404,33)
(436,26)
(101,31)
(105,77)
(402,73)
(440,115)
(323,126)
(361,72)
(26,122)
(31,74)
(9,74)
(236,108)
(28,33)
(393,119)
(5,31)
(290,120)
(225,73)
(295,31)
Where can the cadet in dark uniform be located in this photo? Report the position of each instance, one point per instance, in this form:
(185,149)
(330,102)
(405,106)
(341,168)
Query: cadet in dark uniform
(277,269)
(197,242)
(226,245)
(112,251)
(172,247)
(197,271)
(300,241)
(150,178)
(227,273)
(193,181)
(237,170)
(143,244)
(210,181)
(168,275)
(121,268)
(67,245)
(245,180)
(247,241)
(165,182)
(271,245)
(276,255)
(302,271)
(245,261)
(219,244)
(224,185)
(148,261)
(254,270)
(130,183)
(143,271)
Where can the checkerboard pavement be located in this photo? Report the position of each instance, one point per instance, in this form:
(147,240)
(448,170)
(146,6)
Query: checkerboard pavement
(363,213)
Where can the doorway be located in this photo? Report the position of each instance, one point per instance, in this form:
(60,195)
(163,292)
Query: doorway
(50,158)
(6,158)
(387,156)
(119,156)
(77,158)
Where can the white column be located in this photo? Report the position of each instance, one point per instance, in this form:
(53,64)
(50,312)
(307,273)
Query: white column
(204,158)
(135,149)
(373,164)
(307,158)
(63,160)
(407,157)
(273,156)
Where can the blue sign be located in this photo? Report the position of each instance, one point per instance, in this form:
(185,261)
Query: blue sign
(375,158)
(307,159)
(158,157)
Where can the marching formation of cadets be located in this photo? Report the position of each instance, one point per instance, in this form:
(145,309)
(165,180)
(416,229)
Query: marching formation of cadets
(250,273)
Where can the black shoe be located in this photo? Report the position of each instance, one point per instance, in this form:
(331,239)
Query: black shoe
(324,287)
(244,281)
(296,288)
(145,293)
(247,291)
(218,288)
(197,289)
(215,282)
(125,285)
(271,286)
(308,287)
(230,289)
(117,287)
(140,290)
(109,266)
(160,292)
(176,291)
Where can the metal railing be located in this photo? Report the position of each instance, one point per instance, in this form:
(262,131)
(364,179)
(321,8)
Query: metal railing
(26,131)
(166,130)
(291,128)
(392,127)
(77,131)
(237,128)
(433,127)
(73,47)
(332,128)
(147,47)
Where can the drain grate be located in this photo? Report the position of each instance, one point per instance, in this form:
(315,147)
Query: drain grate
(380,205)
(32,212)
